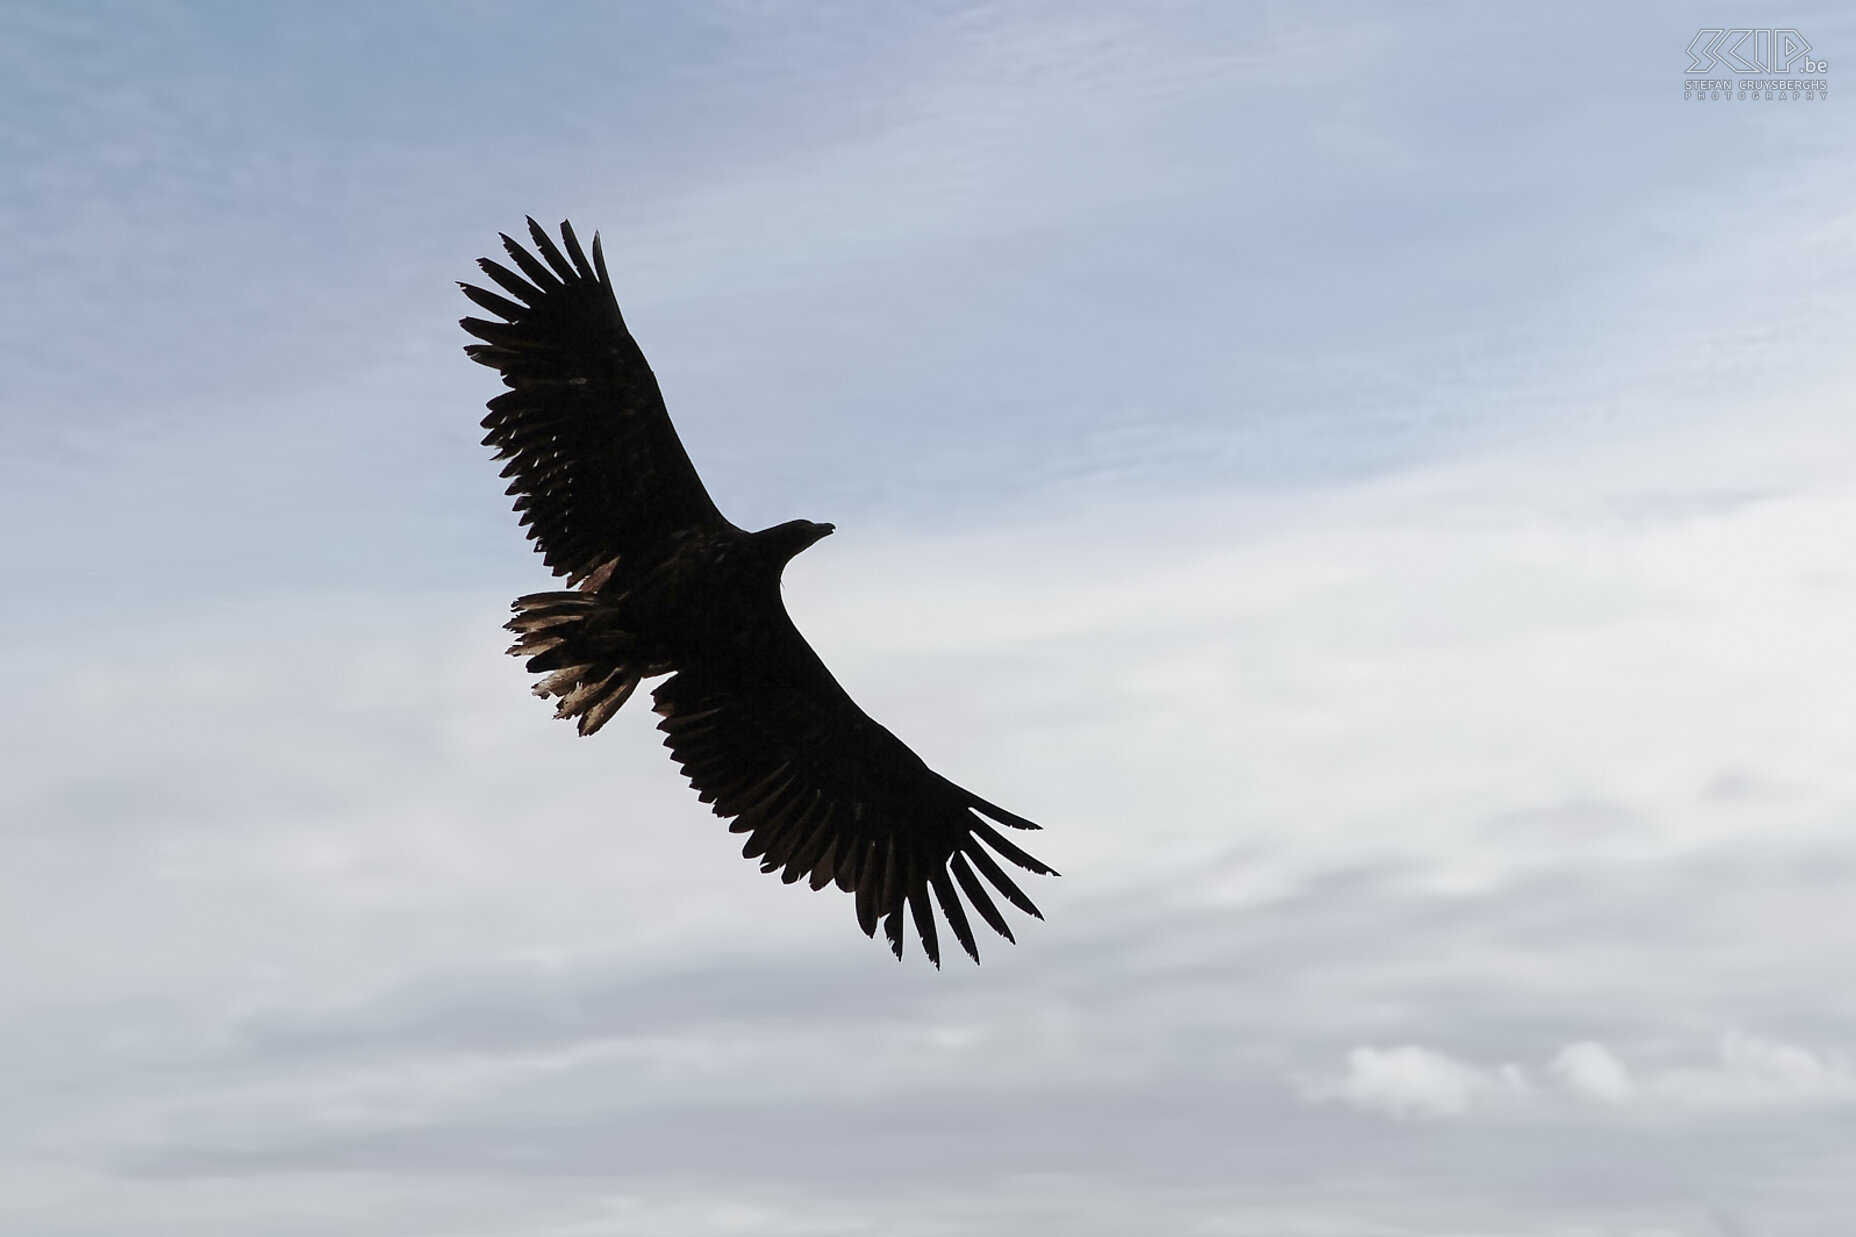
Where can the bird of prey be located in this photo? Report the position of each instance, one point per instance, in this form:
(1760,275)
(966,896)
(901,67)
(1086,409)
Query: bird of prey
(659,583)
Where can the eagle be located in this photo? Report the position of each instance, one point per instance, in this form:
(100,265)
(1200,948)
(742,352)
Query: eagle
(659,583)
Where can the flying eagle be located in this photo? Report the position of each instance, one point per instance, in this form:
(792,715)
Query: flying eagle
(662,584)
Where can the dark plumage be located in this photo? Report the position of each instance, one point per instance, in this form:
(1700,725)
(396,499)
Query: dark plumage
(662,584)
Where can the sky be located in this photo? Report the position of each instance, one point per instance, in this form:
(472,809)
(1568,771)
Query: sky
(1376,482)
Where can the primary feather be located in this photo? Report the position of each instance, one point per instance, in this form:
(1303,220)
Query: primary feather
(661,584)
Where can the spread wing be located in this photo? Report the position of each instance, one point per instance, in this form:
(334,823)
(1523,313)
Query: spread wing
(824,792)
(597,469)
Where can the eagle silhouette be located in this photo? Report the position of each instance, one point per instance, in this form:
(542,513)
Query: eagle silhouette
(659,583)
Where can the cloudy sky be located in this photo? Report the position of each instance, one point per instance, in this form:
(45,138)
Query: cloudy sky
(1377,481)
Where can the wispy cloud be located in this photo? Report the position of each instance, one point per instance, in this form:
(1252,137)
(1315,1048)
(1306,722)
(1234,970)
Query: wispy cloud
(1585,802)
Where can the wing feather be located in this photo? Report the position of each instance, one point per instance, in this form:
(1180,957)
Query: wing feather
(596,467)
(922,913)
(955,913)
(850,803)
(976,894)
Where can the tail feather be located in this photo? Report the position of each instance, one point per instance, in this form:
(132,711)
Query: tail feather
(591,663)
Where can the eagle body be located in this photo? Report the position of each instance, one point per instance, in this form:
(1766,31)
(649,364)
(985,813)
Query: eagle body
(661,585)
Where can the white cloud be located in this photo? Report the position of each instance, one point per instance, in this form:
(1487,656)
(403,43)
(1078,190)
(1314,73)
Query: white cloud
(1750,1072)
(1753,1072)
(1414,1081)
(1589,1069)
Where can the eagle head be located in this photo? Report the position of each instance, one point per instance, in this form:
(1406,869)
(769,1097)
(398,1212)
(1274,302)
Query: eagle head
(783,541)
